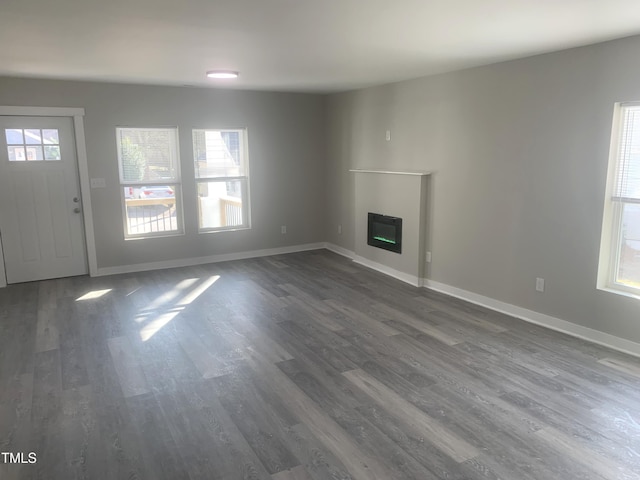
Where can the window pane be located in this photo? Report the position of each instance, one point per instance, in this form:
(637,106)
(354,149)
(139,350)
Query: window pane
(628,174)
(148,154)
(17,154)
(50,136)
(32,136)
(220,204)
(150,209)
(629,264)
(14,136)
(218,153)
(51,152)
(231,140)
(34,153)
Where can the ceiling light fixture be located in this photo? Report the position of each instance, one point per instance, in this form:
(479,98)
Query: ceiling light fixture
(222,74)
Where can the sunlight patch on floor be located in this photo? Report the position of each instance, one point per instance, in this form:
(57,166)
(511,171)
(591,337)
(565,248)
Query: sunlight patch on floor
(93,294)
(171,294)
(133,291)
(158,319)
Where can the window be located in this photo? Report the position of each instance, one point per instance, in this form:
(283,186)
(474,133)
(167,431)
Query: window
(222,178)
(620,255)
(150,181)
(30,144)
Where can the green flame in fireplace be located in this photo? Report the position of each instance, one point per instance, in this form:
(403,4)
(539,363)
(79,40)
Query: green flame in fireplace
(386,240)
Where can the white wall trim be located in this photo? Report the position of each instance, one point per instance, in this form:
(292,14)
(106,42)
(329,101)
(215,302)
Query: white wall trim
(85,193)
(392,272)
(389,172)
(339,250)
(77,115)
(531,316)
(225,257)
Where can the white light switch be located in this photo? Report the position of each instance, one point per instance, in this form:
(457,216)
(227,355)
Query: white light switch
(98,183)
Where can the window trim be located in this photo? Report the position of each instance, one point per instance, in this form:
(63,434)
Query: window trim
(244,179)
(176,181)
(610,250)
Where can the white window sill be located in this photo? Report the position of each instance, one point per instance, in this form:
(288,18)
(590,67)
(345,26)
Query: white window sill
(218,230)
(160,235)
(618,291)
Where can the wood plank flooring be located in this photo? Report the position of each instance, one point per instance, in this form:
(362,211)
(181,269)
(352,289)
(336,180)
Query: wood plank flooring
(300,367)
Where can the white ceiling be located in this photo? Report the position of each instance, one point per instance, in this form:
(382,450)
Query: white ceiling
(291,45)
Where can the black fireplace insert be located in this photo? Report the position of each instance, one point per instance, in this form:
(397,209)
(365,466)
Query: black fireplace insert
(384,232)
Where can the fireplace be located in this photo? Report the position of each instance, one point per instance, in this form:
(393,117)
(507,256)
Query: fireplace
(384,232)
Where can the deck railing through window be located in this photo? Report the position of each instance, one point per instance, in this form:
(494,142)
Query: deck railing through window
(230,211)
(145,215)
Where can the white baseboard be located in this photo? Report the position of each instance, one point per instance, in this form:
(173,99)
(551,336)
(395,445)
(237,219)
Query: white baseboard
(531,316)
(392,272)
(339,250)
(189,262)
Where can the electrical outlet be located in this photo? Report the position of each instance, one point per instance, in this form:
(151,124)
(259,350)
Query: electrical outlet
(539,284)
(339,229)
(387,136)
(98,183)
(283,229)
(428,257)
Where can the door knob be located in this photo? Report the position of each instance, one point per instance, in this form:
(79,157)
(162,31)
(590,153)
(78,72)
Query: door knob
(76,210)
(76,199)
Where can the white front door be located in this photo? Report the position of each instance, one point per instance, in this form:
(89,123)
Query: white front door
(40,211)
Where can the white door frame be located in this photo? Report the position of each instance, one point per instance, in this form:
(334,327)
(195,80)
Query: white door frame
(77,114)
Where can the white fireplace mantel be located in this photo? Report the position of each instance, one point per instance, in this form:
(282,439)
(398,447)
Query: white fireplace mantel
(389,172)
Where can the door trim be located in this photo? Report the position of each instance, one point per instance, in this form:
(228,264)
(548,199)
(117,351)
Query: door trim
(77,114)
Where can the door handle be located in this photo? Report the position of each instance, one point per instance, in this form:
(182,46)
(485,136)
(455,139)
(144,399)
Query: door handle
(76,199)
(76,210)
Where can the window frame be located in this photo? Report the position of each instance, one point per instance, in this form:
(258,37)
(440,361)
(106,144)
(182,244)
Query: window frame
(243,179)
(175,182)
(25,146)
(612,223)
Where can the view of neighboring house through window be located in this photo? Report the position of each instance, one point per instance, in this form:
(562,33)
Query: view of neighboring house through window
(150,181)
(622,212)
(222,177)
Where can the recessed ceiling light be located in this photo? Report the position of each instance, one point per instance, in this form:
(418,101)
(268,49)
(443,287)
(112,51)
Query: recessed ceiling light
(222,74)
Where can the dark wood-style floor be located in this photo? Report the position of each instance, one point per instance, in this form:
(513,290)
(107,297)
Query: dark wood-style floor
(299,367)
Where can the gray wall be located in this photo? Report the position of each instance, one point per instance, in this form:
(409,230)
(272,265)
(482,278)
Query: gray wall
(286,153)
(519,154)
